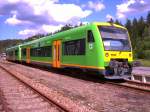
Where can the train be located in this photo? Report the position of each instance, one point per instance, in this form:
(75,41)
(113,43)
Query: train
(101,47)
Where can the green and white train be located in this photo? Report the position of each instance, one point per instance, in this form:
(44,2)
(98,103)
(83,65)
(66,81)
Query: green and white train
(101,47)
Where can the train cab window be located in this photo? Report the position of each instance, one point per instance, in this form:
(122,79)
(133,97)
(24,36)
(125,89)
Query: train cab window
(90,36)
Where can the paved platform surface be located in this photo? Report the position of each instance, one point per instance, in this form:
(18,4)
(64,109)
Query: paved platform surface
(141,70)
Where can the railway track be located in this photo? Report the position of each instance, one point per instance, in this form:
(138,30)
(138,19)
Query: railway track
(19,97)
(63,102)
(94,88)
(1,105)
(130,84)
(134,85)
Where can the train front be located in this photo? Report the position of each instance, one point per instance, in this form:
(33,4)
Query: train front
(117,52)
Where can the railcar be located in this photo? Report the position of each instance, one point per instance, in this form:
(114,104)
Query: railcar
(13,53)
(101,47)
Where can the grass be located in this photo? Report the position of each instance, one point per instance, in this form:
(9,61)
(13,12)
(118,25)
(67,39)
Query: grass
(144,62)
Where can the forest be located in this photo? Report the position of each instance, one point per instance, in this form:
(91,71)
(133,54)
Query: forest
(139,31)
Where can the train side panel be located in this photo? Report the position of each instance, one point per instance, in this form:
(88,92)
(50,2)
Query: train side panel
(41,52)
(95,54)
(73,52)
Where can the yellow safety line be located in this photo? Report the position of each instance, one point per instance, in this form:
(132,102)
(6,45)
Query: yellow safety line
(83,66)
(76,65)
(42,61)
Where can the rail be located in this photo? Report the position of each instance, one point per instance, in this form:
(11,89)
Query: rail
(21,79)
(51,95)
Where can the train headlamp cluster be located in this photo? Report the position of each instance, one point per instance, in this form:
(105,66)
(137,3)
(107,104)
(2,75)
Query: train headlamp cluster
(107,54)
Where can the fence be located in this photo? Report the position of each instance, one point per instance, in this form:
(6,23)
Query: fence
(141,77)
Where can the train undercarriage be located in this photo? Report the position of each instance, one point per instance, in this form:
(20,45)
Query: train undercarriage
(118,69)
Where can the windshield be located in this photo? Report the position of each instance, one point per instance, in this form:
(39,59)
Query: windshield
(115,38)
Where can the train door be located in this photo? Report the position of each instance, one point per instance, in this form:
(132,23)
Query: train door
(56,53)
(27,55)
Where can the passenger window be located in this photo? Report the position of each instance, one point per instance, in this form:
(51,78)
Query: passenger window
(74,47)
(90,36)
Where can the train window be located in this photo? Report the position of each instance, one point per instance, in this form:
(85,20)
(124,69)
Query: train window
(39,44)
(33,52)
(46,51)
(10,53)
(24,52)
(90,36)
(16,52)
(75,47)
(42,51)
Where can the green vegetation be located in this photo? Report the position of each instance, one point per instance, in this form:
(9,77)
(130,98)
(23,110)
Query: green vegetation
(144,62)
(8,43)
(139,31)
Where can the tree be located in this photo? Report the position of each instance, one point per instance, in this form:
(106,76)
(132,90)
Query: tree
(134,28)
(8,43)
(111,20)
(141,27)
(118,22)
(128,25)
(34,37)
(146,32)
(66,27)
(134,32)
(81,24)
(148,18)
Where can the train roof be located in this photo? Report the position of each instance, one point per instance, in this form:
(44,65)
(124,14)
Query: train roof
(68,31)
(54,35)
(13,47)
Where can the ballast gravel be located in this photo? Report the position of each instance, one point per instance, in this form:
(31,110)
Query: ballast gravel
(97,96)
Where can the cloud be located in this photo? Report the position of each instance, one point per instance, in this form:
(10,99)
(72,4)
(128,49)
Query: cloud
(70,12)
(43,29)
(96,6)
(132,6)
(108,17)
(50,28)
(41,15)
(28,32)
(13,21)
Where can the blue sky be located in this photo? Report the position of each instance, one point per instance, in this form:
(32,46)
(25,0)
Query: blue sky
(20,19)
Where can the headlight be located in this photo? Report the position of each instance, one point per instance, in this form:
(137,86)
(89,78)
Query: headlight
(106,54)
(130,55)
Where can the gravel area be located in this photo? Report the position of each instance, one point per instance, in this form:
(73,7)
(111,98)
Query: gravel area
(98,96)
(18,97)
(1,104)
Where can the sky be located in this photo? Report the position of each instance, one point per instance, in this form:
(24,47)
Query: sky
(20,19)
